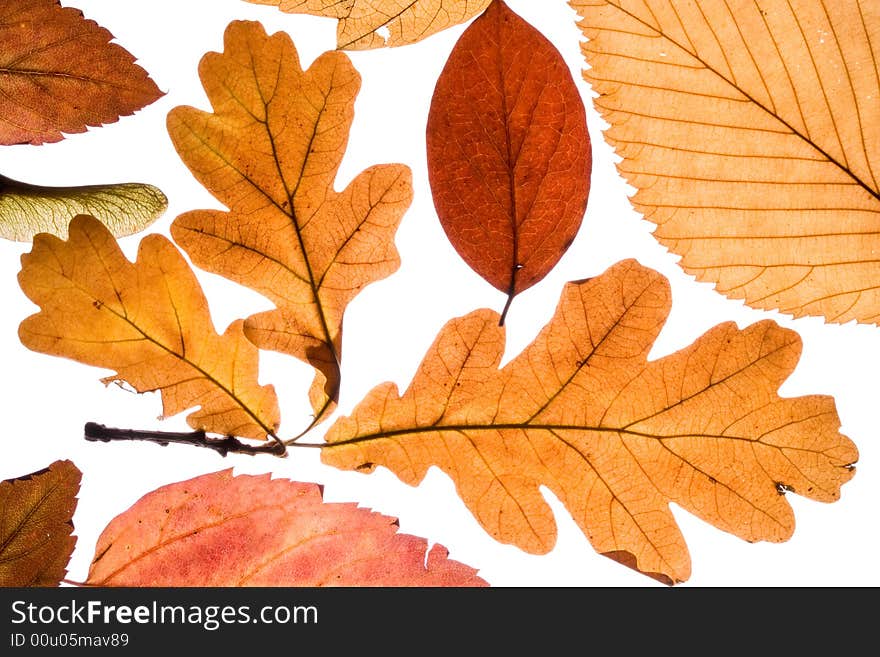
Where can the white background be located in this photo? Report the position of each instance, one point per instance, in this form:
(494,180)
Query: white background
(46,400)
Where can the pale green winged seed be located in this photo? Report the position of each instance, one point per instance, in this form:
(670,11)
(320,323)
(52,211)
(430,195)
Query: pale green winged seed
(125,208)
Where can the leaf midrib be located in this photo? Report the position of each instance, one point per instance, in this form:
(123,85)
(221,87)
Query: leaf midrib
(553,430)
(44,498)
(527,424)
(205,374)
(373,31)
(510,161)
(291,194)
(861,183)
(160,545)
(11,72)
(310,279)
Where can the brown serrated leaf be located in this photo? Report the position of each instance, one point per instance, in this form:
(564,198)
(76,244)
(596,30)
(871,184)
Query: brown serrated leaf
(125,208)
(250,530)
(270,152)
(149,321)
(60,73)
(508,151)
(36,525)
(751,130)
(614,436)
(366,24)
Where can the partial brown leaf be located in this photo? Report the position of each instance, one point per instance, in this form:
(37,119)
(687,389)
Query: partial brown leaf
(615,437)
(149,321)
(60,73)
(125,208)
(508,151)
(270,152)
(36,525)
(365,24)
(751,130)
(250,530)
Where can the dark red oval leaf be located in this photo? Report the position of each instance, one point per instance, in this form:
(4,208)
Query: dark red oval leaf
(508,151)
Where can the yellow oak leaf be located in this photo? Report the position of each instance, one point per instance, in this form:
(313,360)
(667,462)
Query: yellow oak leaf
(366,24)
(614,436)
(270,152)
(751,130)
(149,321)
(251,530)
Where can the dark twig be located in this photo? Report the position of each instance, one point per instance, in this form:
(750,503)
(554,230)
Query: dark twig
(224,446)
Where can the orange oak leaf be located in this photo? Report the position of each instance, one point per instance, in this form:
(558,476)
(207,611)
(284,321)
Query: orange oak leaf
(508,151)
(149,321)
(251,530)
(614,436)
(60,73)
(365,24)
(270,152)
(751,130)
(36,525)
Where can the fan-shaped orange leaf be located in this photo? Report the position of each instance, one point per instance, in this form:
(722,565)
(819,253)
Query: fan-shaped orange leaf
(616,437)
(220,530)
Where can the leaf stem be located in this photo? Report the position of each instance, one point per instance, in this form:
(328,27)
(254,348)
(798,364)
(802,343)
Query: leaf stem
(226,445)
(319,416)
(506,308)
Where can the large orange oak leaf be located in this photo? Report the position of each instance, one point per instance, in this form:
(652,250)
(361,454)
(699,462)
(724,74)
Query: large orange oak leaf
(270,152)
(149,321)
(60,73)
(614,436)
(36,525)
(508,151)
(365,24)
(751,130)
(251,530)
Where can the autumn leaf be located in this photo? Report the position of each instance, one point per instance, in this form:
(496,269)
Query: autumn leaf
(36,527)
(270,152)
(508,151)
(365,24)
(149,321)
(614,436)
(125,208)
(251,530)
(60,73)
(751,131)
